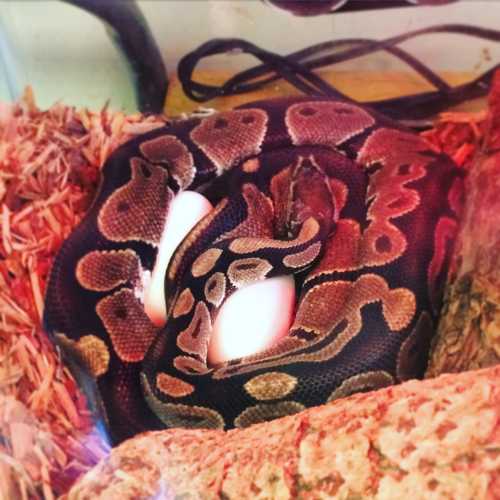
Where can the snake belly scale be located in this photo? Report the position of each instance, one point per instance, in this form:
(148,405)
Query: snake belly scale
(361,211)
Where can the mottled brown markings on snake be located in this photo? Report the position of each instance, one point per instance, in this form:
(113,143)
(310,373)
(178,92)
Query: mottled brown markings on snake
(192,237)
(205,262)
(271,385)
(243,272)
(231,136)
(308,231)
(325,123)
(341,251)
(194,339)
(171,151)
(259,219)
(363,382)
(184,303)
(382,241)
(101,271)
(129,328)
(190,366)
(395,148)
(408,360)
(173,386)
(90,350)
(266,411)
(178,415)
(326,304)
(215,289)
(330,304)
(303,258)
(137,211)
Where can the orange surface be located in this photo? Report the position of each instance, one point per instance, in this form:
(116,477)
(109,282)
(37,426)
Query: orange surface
(363,86)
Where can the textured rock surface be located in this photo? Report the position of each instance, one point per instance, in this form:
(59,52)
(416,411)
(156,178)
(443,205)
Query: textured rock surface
(438,438)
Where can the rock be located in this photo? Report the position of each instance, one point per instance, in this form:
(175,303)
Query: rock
(438,438)
(468,336)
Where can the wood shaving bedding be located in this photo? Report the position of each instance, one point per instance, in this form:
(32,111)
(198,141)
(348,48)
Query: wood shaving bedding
(49,170)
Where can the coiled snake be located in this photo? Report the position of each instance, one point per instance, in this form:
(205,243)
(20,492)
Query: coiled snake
(361,211)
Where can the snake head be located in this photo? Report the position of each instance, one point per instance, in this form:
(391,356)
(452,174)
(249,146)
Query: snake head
(311,196)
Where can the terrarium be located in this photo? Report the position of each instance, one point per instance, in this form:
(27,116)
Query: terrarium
(249,249)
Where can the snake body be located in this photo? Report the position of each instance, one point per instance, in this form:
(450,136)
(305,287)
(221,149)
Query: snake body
(361,211)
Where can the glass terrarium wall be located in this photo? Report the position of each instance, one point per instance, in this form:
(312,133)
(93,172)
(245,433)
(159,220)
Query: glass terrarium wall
(65,53)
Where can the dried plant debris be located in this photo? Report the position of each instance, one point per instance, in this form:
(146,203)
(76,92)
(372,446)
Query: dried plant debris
(49,169)
(469,331)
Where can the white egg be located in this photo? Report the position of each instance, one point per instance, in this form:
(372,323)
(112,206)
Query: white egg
(186,209)
(252,319)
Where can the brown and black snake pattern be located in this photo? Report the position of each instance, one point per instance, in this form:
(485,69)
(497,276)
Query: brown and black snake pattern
(362,212)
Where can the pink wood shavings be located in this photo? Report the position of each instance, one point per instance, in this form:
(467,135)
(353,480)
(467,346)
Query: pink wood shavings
(49,169)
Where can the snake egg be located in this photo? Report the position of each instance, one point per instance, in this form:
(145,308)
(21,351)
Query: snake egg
(252,319)
(186,209)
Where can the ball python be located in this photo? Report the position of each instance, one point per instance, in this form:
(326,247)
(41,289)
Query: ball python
(360,210)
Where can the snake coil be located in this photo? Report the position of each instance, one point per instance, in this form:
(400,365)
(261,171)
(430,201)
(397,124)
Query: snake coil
(360,210)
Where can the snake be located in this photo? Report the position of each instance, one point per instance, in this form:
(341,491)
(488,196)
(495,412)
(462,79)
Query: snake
(361,211)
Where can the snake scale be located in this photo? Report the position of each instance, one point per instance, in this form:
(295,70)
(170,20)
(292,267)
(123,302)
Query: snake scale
(360,210)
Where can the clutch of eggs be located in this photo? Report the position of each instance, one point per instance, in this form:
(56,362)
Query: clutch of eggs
(252,319)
